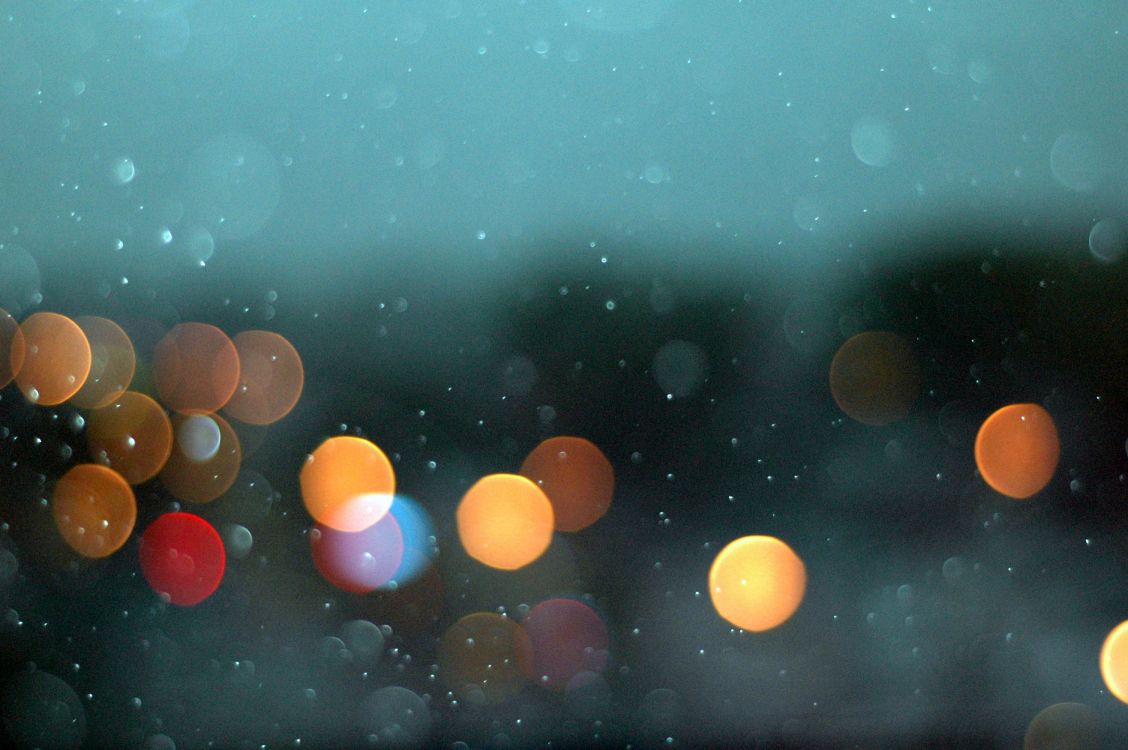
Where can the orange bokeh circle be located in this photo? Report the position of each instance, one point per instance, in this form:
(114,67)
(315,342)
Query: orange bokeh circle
(505,521)
(201,481)
(1114,662)
(577,478)
(112,363)
(195,368)
(347,483)
(56,360)
(757,582)
(1017,450)
(271,378)
(132,435)
(94,509)
(875,378)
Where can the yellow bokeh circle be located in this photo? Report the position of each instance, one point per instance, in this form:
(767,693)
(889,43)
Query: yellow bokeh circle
(1114,662)
(757,582)
(505,521)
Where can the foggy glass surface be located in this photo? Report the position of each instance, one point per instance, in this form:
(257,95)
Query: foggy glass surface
(650,224)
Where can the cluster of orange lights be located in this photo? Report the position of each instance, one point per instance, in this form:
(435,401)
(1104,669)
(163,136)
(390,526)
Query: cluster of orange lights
(90,362)
(505,521)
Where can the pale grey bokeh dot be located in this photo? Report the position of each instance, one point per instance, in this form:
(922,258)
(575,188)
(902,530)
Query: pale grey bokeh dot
(364,640)
(1108,240)
(680,367)
(238,540)
(874,141)
(395,717)
(41,710)
(1077,161)
(199,438)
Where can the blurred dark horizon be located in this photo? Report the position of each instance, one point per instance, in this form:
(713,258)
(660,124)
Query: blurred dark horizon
(996,315)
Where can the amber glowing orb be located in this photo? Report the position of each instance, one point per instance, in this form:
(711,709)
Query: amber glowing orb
(133,436)
(505,521)
(1017,450)
(270,378)
(1114,662)
(56,359)
(757,582)
(94,509)
(577,478)
(347,483)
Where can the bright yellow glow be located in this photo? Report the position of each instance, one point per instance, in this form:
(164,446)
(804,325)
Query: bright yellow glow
(1114,662)
(505,521)
(347,483)
(757,582)
(1017,450)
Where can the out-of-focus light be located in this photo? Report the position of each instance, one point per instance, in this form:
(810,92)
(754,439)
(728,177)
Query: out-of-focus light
(194,471)
(566,637)
(1114,662)
(1017,450)
(198,437)
(576,477)
(133,436)
(1078,161)
(505,521)
(394,717)
(418,540)
(358,561)
(757,582)
(660,712)
(364,641)
(681,368)
(1108,240)
(478,656)
(195,368)
(237,540)
(270,378)
(182,558)
(56,361)
(94,509)
(875,378)
(347,483)
(1063,726)
(13,349)
(42,711)
(874,141)
(112,363)
(588,696)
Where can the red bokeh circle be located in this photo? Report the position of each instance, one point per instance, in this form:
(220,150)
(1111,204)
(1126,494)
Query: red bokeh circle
(182,558)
